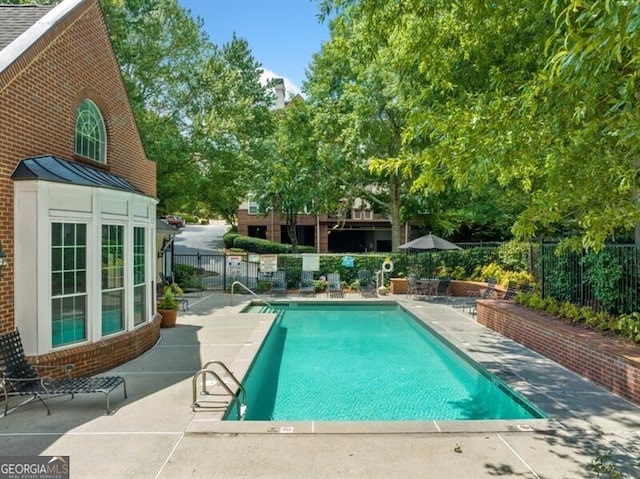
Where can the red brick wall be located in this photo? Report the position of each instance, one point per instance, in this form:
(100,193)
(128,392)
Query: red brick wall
(610,362)
(39,94)
(97,357)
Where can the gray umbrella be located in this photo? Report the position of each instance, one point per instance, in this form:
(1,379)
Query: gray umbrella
(429,242)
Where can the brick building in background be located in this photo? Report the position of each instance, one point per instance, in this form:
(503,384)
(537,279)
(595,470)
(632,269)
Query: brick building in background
(77,193)
(356,230)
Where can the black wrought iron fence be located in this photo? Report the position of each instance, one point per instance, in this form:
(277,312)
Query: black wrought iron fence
(213,272)
(606,281)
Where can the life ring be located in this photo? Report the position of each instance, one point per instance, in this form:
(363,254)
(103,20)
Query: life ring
(387,265)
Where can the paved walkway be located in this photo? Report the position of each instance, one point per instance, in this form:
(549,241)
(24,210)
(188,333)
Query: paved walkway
(155,434)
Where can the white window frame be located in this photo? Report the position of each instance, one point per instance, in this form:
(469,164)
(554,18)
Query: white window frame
(39,204)
(90,138)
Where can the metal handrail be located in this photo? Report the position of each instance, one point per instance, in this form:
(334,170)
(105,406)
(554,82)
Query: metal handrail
(240,403)
(230,374)
(239,283)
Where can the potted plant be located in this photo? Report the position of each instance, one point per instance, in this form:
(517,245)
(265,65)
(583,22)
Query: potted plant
(168,308)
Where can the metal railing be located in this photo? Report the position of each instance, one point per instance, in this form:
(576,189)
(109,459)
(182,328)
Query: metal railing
(239,396)
(249,290)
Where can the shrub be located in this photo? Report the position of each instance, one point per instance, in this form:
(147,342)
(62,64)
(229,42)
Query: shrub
(229,238)
(502,276)
(514,256)
(320,285)
(168,300)
(627,325)
(263,286)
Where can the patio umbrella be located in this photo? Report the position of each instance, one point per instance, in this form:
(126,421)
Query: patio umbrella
(429,243)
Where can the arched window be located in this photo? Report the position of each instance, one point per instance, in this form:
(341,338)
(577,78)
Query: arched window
(91,136)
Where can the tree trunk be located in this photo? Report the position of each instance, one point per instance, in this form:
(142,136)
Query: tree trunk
(394,212)
(292,229)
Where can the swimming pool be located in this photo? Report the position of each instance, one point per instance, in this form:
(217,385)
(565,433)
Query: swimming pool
(368,362)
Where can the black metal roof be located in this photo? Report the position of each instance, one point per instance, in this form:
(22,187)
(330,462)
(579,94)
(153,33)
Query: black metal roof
(16,19)
(52,168)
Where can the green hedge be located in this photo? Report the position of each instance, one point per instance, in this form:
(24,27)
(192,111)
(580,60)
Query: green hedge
(260,246)
(229,238)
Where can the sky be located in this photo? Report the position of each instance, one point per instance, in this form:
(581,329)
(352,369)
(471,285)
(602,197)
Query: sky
(282,34)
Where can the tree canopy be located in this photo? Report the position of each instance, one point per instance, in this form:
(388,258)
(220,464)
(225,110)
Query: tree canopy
(532,104)
(485,117)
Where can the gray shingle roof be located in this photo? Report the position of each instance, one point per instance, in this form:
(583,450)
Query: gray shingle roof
(16,19)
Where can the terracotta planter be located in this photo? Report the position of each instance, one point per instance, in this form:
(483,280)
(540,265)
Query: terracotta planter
(169,317)
(399,286)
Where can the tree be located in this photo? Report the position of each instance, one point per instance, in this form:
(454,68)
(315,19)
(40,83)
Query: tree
(201,110)
(398,70)
(289,180)
(591,89)
(362,111)
(231,122)
(159,48)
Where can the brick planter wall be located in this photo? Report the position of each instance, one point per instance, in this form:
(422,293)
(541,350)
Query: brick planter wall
(103,355)
(613,363)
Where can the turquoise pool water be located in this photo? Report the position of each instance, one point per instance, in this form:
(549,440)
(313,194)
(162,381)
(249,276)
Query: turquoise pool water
(368,362)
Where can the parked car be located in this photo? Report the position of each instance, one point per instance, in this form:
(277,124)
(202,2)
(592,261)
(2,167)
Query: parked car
(175,220)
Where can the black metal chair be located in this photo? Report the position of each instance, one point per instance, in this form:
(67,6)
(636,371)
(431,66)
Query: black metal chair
(279,284)
(444,285)
(306,287)
(19,378)
(512,290)
(486,293)
(366,285)
(334,286)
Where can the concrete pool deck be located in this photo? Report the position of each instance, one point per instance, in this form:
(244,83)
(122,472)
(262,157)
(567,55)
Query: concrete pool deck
(155,433)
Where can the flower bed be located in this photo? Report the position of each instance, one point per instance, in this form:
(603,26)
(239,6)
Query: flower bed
(611,362)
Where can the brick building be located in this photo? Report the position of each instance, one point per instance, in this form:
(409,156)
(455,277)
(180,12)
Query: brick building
(77,193)
(358,230)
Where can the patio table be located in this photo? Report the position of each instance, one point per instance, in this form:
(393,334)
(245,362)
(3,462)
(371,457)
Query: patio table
(429,287)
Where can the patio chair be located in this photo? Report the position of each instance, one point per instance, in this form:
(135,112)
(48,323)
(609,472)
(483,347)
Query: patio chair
(413,287)
(279,284)
(527,288)
(334,286)
(366,285)
(512,290)
(486,293)
(19,378)
(306,286)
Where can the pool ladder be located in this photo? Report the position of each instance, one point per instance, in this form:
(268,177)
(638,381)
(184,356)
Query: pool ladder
(248,290)
(239,395)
